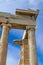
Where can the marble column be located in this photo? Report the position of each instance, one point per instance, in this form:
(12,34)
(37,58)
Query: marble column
(24,53)
(4,44)
(32,45)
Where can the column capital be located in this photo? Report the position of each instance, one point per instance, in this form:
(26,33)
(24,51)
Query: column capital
(31,27)
(7,25)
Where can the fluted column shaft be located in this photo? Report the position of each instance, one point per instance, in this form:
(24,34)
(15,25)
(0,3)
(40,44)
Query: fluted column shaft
(32,46)
(4,44)
(24,53)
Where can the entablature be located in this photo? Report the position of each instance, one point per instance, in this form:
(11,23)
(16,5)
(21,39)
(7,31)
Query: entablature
(20,20)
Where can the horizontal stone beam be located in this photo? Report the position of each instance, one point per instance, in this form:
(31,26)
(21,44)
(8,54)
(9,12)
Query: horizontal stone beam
(17,23)
(5,14)
(22,21)
(18,26)
(27,12)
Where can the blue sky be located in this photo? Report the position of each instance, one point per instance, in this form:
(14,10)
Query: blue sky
(14,50)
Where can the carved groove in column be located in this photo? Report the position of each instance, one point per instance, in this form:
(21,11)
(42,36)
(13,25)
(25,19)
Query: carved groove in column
(4,44)
(32,47)
(24,53)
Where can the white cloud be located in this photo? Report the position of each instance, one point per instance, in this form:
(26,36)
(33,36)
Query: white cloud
(11,5)
(34,4)
(31,1)
(23,3)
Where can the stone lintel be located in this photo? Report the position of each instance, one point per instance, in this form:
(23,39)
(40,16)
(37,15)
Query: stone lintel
(22,21)
(18,26)
(19,21)
(6,15)
(27,12)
